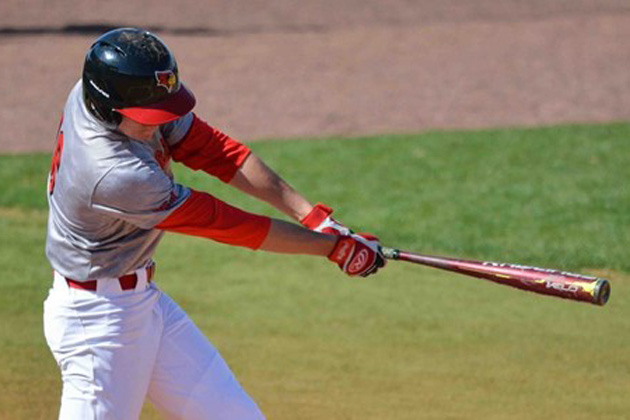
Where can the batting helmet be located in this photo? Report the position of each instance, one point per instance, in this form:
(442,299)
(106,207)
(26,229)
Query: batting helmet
(130,71)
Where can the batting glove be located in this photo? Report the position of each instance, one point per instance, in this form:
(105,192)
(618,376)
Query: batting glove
(319,220)
(358,254)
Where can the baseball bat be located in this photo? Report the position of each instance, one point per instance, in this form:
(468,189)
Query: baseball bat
(534,279)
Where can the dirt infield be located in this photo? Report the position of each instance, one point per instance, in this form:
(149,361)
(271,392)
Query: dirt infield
(286,69)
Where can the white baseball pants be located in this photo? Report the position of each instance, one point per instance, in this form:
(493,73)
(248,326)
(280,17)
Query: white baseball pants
(115,347)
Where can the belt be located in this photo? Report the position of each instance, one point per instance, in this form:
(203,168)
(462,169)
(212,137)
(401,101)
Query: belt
(127,282)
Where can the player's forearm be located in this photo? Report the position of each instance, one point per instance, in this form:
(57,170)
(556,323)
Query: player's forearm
(258,180)
(288,238)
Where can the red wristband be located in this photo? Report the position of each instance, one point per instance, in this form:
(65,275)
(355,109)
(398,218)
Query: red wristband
(316,216)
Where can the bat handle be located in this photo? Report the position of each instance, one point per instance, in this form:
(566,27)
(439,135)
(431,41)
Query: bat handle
(390,253)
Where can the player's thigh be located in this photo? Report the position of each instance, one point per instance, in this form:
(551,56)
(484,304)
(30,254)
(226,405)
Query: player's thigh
(105,351)
(191,381)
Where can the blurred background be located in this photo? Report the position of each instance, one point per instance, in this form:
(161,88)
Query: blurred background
(282,68)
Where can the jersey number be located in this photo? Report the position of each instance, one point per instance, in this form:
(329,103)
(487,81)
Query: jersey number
(56,161)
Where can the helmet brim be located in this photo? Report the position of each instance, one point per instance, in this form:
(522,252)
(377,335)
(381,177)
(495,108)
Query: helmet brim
(176,106)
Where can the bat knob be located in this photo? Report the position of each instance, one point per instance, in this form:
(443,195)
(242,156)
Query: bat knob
(602,292)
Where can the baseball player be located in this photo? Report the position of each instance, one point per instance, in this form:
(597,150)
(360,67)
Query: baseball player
(115,336)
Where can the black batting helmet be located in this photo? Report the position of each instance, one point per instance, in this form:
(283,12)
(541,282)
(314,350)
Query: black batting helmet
(130,71)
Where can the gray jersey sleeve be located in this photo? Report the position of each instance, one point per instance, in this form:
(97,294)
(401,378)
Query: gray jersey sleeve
(142,195)
(175,131)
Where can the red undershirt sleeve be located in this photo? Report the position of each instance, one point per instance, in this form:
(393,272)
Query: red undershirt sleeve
(208,217)
(206,148)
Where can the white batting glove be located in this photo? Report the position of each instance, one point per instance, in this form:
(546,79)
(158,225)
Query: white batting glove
(319,220)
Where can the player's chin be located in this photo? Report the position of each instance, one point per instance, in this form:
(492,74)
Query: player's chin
(146,135)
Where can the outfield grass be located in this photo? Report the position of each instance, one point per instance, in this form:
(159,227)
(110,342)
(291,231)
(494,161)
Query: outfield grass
(410,343)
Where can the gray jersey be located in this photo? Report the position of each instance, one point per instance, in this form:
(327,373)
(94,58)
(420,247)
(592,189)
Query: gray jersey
(109,192)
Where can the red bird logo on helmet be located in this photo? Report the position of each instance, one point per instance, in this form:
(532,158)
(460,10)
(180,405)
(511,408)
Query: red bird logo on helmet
(167,79)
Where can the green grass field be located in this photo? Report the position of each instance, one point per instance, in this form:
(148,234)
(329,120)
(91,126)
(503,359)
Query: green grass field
(410,343)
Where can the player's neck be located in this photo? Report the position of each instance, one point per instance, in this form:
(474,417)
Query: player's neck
(136,130)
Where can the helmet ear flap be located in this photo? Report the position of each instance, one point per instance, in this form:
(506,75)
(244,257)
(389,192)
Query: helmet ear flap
(99,110)
(116,118)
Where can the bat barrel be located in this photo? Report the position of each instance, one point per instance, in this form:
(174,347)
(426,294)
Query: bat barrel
(538,280)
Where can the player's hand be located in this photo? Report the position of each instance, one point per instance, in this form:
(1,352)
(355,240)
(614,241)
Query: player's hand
(320,220)
(358,255)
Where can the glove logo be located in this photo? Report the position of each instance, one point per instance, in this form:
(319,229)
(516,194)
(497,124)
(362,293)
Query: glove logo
(359,261)
(343,251)
(166,79)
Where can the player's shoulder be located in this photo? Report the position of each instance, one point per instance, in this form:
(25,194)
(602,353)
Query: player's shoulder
(95,145)
(131,168)
(87,136)
(133,179)
(77,114)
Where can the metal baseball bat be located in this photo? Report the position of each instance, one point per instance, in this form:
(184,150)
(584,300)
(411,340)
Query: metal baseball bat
(534,279)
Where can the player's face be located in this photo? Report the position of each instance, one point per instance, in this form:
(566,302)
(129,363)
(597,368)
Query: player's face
(136,130)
